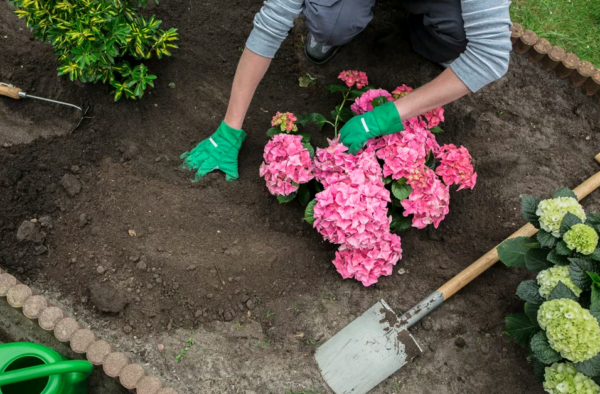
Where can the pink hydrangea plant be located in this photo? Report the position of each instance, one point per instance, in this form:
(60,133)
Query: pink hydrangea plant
(456,167)
(367,264)
(352,215)
(287,164)
(434,117)
(285,121)
(401,91)
(364,103)
(428,205)
(351,77)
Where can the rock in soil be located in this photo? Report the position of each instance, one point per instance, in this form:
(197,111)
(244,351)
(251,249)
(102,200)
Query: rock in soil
(29,231)
(108,298)
(71,184)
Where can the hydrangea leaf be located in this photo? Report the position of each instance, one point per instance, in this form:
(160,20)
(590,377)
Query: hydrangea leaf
(316,118)
(400,223)
(436,130)
(546,239)
(542,350)
(346,114)
(578,269)
(589,367)
(593,219)
(519,328)
(532,310)
(286,199)
(595,301)
(595,255)
(309,148)
(380,100)
(538,370)
(303,194)
(336,88)
(430,162)
(568,221)
(274,131)
(401,191)
(565,192)
(557,259)
(528,207)
(512,251)
(529,291)
(305,137)
(561,291)
(309,212)
(388,179)
(536,260)
(562,248)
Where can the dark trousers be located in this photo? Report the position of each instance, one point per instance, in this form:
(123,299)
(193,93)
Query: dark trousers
(436,27)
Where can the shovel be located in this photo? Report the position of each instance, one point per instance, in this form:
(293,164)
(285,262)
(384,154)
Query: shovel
(377,344)
(17,94)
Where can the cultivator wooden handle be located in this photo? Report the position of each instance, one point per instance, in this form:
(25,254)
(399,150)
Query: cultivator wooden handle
(10,91)
(436,298)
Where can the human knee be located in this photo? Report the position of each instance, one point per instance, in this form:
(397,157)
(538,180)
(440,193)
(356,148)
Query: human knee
(336,22)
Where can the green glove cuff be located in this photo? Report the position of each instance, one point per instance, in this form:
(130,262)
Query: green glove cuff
(235,137)
(388,118)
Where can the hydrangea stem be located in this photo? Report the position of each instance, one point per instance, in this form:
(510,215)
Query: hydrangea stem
(339,111)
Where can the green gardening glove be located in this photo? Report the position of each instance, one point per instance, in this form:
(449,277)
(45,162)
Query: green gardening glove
(218,152)
(383,120)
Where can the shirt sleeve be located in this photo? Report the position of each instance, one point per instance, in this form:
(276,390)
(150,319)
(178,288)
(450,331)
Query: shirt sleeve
(272,25)
(487,26)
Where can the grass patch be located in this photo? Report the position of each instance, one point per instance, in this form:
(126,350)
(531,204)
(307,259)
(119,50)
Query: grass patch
(571,24)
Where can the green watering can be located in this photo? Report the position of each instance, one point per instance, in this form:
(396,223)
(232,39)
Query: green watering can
(29,368)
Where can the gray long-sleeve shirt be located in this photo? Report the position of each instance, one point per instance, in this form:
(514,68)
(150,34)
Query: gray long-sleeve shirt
(487,26)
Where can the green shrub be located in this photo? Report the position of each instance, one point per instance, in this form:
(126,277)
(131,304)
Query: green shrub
(100,40)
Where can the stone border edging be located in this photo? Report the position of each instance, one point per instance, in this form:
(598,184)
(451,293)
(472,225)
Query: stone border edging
(552,57)
(66,329)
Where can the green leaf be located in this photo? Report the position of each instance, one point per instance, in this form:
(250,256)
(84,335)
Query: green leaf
(316,118)
(400,223)
(542,350)
(306,80)
(539,369)
(309,212)
(286,199)
(303,194)
(578,269)
(595,301)
(519,328)
(336,88)
(546,239)
(568,221)
(529,291)
(536,260)
(589,367)
(595,255)
(388,179)
(305,137)
(528,208)
(274,131)
(561,291)
(593,219)
(436,130)
(346,114)
(557,259)
(564,192)
(562,248)
(309,148)
(531,310)
(430,161)
(512,251)
(401,191)
(378,101)
(594,277)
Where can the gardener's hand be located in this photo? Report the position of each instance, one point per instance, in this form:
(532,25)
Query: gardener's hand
(219,152)
(383,120)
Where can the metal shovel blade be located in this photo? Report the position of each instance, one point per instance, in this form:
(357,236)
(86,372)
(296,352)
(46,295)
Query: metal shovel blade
(366,351)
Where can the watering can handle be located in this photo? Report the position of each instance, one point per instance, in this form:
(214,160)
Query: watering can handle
(80,369)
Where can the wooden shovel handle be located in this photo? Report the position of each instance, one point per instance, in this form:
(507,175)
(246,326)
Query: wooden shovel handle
(9,92)
(491,257)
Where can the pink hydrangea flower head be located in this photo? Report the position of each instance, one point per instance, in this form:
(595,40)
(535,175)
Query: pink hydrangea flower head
(399,158)
(353,215)
(401,91)
(434,117)
(428,205)
(420,178)
(367,264)
(351,77)
(364,103)
(285,121)
(416,129)
(455,167)
(334,165)
(287,164)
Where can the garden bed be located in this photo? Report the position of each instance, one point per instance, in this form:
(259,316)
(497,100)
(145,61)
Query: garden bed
(224,259)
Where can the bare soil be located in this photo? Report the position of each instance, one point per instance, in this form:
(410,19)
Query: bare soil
(223,261)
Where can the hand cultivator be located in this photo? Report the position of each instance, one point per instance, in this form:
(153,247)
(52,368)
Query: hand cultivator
(17,94)
(378,343)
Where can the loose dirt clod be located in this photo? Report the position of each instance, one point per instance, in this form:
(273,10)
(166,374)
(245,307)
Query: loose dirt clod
(29,231)
(108,298)
(71,184)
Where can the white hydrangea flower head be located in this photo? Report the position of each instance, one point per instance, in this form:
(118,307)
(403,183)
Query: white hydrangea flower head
(563,378)
(549,278)
(581,238)
(571,330)
(552,211)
